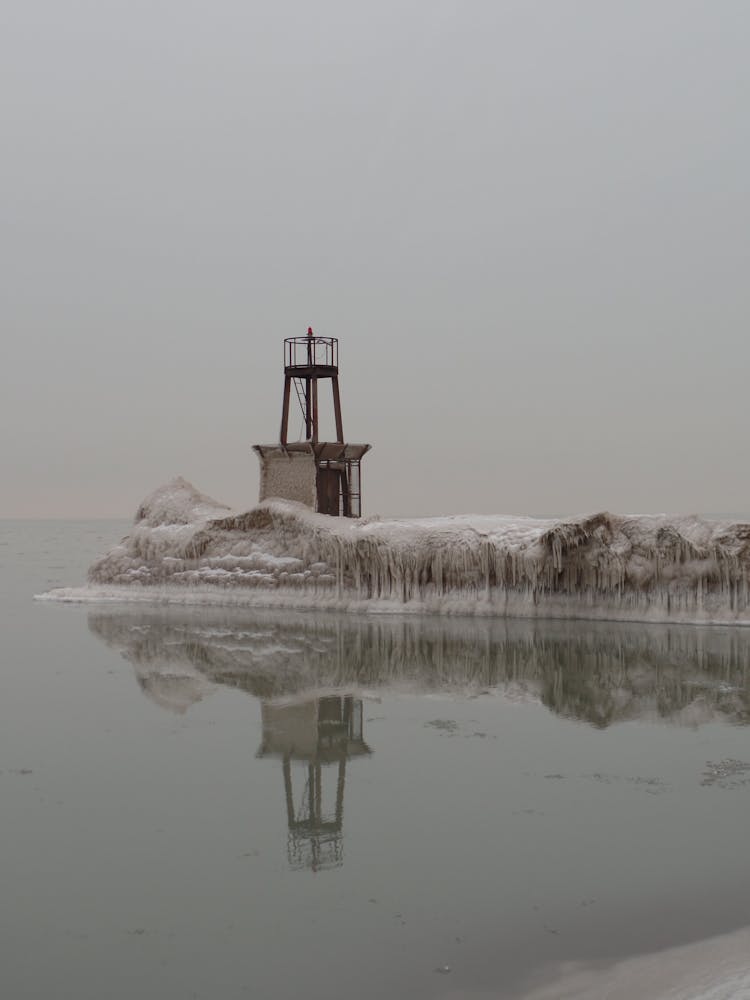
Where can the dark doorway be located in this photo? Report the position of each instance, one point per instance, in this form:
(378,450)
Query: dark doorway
(329,490)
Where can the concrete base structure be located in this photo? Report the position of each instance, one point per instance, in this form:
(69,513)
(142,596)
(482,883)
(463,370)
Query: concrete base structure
(325,476)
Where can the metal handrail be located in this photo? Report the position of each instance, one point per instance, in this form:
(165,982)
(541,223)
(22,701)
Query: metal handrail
(308,352)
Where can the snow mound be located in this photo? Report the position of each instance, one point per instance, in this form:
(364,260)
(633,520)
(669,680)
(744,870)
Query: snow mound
(191,548)
(177,503)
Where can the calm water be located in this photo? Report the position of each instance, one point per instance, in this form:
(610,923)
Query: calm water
(217,805)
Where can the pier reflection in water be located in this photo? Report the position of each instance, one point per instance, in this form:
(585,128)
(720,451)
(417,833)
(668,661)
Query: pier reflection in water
(321,734)
(598,673)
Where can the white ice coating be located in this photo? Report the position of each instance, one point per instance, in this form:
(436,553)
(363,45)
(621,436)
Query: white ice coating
(289,474)
(185,547)
(712,969)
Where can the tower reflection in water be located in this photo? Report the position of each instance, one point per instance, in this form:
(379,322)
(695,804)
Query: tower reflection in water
(596,673)
(314,740)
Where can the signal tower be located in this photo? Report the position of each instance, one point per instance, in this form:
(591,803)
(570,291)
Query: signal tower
(324,475)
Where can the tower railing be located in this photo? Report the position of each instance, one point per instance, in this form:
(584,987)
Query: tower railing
(311,352)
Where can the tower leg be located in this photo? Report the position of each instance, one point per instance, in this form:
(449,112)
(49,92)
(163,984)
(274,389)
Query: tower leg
(308,411)
(337,409)
(285,409)
(314,393)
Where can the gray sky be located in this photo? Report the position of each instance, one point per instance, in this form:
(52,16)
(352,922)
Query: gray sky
(527,222)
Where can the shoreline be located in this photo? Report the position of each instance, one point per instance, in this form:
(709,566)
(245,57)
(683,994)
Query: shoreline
(462,605)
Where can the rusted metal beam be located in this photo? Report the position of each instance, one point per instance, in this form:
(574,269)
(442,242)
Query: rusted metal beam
(337,409)
(314,394)
(285,409)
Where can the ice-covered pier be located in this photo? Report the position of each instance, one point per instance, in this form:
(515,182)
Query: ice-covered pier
(187,548)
